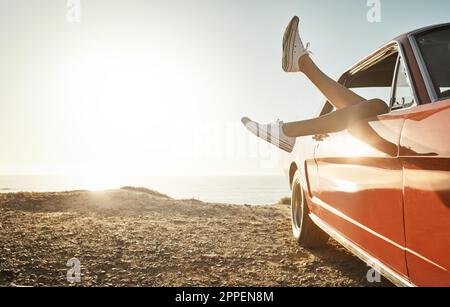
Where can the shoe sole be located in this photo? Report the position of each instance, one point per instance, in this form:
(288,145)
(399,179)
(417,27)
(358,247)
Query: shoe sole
(270,139)
(288,42)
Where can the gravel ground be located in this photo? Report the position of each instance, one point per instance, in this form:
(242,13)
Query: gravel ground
(142,238)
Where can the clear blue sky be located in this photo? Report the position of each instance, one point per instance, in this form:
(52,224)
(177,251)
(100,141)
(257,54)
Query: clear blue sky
(114,93)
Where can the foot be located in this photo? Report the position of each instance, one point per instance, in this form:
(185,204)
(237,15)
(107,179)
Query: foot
(272,133)
(293,48)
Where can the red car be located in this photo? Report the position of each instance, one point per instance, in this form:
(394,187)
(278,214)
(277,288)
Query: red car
(381,187)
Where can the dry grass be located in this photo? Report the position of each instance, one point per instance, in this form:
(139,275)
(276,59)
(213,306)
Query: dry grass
(146,191)
(285,201)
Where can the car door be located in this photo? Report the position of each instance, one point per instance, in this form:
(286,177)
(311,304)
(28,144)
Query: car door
(425,154)
(360,190)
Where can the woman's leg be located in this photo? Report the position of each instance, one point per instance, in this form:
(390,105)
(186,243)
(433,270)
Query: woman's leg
(337,94)
(296,59)
(349,105)
(336,121)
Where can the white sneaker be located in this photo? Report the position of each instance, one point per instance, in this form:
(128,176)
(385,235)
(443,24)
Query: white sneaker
(293,48)
(272,133)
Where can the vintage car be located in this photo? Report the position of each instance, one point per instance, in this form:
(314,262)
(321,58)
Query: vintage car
(381,188)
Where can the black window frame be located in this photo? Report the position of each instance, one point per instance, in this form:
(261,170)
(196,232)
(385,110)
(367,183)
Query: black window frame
(429,84)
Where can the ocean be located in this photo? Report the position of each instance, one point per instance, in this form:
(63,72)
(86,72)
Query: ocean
(261,190)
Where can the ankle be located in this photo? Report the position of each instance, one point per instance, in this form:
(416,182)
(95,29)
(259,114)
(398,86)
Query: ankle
(303,63)
(285,130)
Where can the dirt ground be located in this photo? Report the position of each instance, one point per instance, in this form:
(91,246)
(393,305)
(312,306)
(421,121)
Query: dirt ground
(141,238)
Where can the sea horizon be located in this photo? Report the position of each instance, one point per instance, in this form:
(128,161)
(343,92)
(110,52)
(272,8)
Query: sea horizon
(232,189)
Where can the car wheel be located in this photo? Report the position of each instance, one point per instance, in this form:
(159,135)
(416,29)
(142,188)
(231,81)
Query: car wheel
(307,234)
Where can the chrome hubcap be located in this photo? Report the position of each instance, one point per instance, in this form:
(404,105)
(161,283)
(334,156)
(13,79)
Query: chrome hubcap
(297,206)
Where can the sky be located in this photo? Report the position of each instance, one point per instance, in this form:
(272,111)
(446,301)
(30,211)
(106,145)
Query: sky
(158,87)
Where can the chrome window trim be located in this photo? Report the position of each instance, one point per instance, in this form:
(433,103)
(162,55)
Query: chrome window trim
(423,68)
(402,55)
(409,75)
(374,57)
(394,83)
(398,65)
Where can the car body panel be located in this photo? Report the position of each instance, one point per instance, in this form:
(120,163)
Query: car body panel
(352,175)
(426,161)
(382,187)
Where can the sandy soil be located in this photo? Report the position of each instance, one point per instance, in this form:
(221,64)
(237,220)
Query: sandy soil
(132,238)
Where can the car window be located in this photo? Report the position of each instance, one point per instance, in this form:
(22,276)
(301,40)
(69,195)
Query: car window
(434,46)
(376,80)
(385,79)
(403,94)
(368,93)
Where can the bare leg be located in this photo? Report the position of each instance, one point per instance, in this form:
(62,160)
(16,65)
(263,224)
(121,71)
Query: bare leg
(350,106)
(337,94)
(336,121)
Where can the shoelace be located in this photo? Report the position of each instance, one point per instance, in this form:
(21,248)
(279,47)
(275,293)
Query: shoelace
(307,48)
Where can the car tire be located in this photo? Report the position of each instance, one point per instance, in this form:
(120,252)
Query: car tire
(305,231)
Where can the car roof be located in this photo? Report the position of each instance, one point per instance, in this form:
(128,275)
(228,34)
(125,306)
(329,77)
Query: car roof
(399,39)
(421,30)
